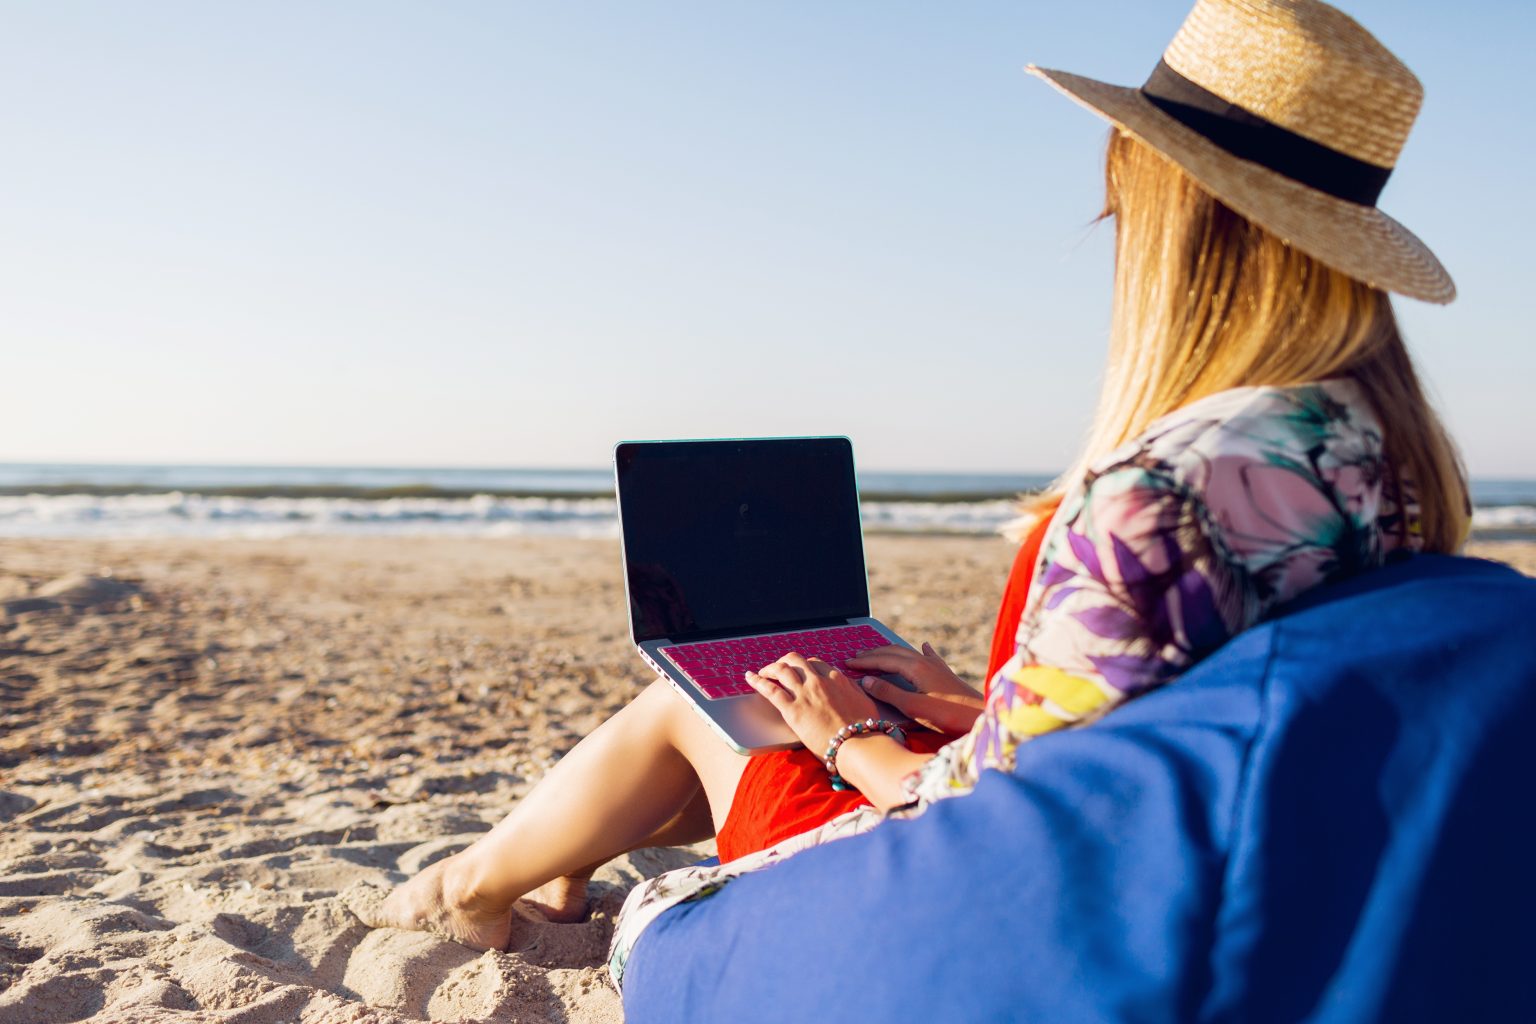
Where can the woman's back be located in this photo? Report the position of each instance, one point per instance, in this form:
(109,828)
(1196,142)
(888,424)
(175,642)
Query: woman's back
(1178,540)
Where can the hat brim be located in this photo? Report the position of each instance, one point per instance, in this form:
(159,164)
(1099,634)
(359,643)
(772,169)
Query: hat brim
(1360,241)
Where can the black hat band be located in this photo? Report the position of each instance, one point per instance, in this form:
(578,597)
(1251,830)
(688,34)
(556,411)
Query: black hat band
(1248,136)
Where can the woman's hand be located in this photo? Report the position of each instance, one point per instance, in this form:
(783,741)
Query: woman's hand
(944,702)
(815,699)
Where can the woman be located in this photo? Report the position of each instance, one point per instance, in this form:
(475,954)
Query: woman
(1261,432)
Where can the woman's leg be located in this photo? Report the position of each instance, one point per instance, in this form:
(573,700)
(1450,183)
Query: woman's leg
(635,774)
(564,899)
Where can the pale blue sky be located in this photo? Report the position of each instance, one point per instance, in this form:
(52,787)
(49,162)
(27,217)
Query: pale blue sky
(470,233)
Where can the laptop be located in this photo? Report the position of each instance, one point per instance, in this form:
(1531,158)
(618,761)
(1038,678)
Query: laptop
(737,552)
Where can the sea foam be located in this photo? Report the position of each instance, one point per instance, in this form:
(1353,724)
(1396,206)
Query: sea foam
(177,514)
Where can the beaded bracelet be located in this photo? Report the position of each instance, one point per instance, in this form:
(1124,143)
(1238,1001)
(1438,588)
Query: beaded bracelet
(851,730)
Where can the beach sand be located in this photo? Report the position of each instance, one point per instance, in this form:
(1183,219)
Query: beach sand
(210,751)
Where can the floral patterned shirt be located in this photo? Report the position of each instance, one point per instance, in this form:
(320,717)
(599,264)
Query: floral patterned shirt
(1199,528)
(1175,542)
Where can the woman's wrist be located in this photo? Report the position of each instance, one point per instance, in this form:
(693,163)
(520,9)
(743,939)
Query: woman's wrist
(852,730)
(877,765)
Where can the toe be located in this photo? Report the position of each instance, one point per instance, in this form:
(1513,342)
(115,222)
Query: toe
(369,904)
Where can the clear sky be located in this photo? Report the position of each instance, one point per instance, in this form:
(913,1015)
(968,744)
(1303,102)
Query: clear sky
(511,233)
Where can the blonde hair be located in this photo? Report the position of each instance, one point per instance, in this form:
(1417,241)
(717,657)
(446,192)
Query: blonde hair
(1206,300)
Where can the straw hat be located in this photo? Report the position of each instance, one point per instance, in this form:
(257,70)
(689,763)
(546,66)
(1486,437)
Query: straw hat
(1293,115)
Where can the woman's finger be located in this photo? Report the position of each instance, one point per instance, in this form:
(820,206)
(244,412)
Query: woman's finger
(901,665)
(786,676)
(896,649)
(800,663)
(769,688)
(821,668)
(771,665)
(904,701)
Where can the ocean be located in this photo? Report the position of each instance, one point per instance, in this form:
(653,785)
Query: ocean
(63,500)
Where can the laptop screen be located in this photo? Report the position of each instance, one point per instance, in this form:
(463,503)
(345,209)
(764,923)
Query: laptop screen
(740,536)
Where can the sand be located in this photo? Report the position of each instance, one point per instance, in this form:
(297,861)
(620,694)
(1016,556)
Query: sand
(211,751)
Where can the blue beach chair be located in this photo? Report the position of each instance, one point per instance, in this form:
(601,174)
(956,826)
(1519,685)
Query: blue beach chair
(1328,820)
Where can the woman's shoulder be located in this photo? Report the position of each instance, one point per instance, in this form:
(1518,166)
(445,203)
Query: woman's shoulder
(1290,484)
(1314,434)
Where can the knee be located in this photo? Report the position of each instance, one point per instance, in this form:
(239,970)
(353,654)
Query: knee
(663,705)
(659,692)
(660,700)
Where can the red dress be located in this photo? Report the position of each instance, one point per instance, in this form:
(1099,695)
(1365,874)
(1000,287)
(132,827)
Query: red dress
(785,793)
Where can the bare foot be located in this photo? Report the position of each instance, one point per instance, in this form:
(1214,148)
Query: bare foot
(437,901)
(563,901)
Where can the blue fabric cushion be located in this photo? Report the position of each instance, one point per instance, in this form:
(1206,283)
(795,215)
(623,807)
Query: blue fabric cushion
(1327,820)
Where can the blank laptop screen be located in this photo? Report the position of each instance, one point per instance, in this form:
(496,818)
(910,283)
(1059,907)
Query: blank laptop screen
(728,537)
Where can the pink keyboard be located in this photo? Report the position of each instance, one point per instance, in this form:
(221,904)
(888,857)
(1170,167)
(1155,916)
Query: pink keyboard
(717,666)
